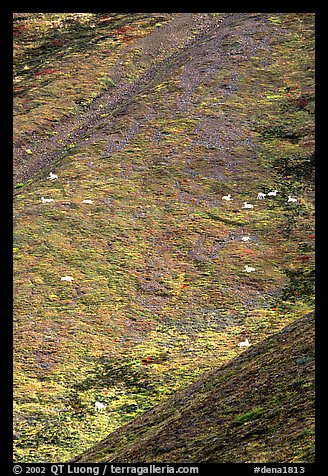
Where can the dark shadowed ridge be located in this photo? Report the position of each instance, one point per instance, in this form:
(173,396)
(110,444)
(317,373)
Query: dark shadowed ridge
(258,407)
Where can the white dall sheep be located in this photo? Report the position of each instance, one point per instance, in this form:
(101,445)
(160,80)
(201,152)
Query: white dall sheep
(261,195)
(246,343)
(290,199)
(52,176)
(273,193)
(99,406)
(47,200)
(247,205)
(87,201)
(67,278)
(248,269)
(246,238)
(227,197)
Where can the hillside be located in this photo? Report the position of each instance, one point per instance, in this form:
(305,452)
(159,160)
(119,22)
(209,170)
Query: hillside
(259,407)
(152,118)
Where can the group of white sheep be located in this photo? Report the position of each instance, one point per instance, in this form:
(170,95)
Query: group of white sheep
(99,406)
(53,176)
(260,196)
(49,200)
(246,205)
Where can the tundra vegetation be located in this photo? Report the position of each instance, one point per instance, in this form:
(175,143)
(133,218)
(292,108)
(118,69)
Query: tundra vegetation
(153,118)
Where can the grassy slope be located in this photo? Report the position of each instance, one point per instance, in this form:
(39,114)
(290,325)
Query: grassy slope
(258,407)
(152,280)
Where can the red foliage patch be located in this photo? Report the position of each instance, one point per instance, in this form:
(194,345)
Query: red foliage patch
(121,31)
(18,29)
(128,38)
(308,144)
(304,258)
(46,71)
(146,360)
